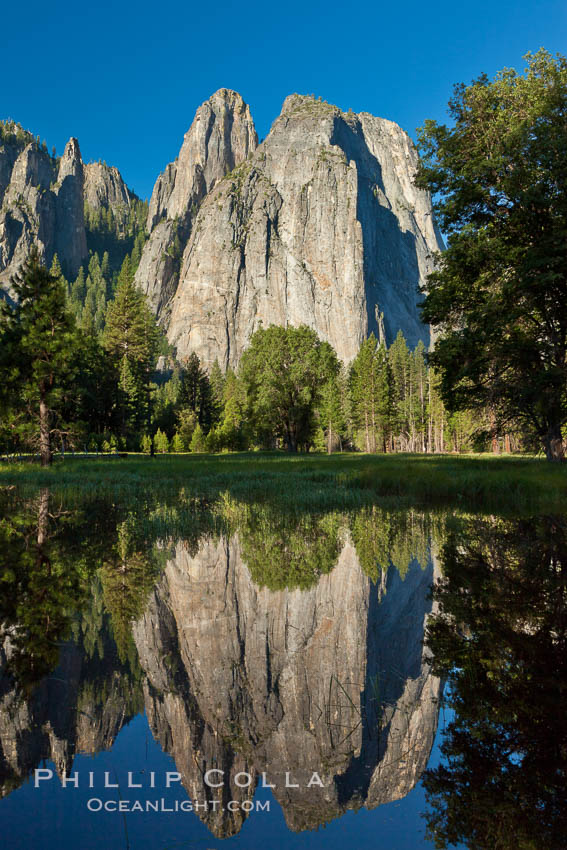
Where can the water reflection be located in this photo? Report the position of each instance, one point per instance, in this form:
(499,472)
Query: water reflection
(501,639)
(257,643)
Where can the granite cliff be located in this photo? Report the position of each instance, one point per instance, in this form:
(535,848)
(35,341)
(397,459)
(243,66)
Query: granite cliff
(43,199)
(320,224)
(220,138)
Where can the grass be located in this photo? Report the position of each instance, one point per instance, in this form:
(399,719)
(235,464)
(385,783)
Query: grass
(311,481)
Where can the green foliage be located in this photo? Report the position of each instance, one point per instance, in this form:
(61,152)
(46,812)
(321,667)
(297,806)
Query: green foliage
(198,440)
(116,232)
(370,387)
(384,537)
(131,338)
(39,345)
(195,392)
(178,444)
(161,442)
(284,552)
(282,372)
(500,639)
(186,424)
(127,579)
(498,296)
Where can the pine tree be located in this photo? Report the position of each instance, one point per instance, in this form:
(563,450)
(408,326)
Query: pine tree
(216,380)
(399,358)
(198,440)
(131,337)
(331,413)
(178,444)
(195,391)
(38,344)
(370,393)
(161,442)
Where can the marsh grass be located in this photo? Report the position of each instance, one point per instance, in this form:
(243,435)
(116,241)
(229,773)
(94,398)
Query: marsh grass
(309,481)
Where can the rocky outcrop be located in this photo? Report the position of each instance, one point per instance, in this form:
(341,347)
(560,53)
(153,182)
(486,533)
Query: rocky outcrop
(332,680)
(42,206)
(70,236)
(321,225)
(104,187)
(28,212)
(221,136)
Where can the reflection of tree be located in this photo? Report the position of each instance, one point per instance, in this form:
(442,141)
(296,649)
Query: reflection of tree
(287,551)
(383,537)
(127,579)
(501,640)
(43,581)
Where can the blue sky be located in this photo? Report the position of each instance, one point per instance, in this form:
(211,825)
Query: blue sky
(127,78)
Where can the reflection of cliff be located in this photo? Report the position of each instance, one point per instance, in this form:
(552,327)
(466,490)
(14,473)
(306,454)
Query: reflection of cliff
(330,679)
(79,708)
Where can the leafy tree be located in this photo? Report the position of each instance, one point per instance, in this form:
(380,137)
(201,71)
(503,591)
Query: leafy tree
(498,296)
(283,371)
(38,344)
(280,552)
(127,579)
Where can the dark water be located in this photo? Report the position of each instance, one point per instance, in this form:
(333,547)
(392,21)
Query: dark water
(385,671)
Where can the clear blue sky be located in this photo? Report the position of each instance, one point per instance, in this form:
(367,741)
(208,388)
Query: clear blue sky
(126,78)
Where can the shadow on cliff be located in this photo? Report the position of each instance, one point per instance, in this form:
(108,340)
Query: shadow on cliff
(390,254)
(394,637)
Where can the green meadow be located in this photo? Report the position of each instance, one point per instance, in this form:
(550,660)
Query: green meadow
(310,481)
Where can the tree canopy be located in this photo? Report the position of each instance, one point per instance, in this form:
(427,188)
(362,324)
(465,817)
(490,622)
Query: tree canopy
(283,371)
(498,296)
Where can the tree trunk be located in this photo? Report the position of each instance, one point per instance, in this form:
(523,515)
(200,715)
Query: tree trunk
(367,431)
(291,442)
(494,435)
(44,434)
(553,444)
(43,517)
(330,440)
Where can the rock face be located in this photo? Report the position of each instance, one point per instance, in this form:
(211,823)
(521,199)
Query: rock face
(42,205)
(70,236)
(320,225)
(220,137)
(42,202)
(333,679)
(104,187)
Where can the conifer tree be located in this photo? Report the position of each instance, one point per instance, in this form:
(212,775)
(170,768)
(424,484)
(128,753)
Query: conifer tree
(198,440)
(370,392)
(131,337)
(38,342)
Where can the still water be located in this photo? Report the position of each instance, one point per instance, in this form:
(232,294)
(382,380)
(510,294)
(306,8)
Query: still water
(181,673)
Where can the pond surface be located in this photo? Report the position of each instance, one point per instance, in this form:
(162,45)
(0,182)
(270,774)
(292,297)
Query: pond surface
(183,673)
